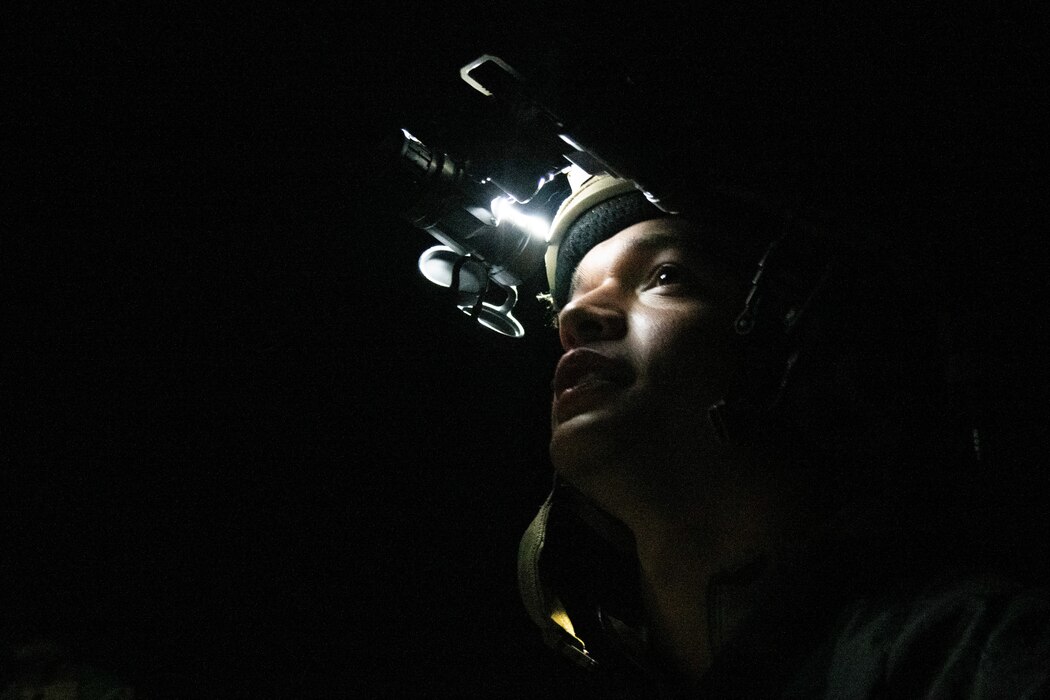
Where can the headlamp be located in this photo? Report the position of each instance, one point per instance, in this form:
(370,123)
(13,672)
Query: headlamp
(490,244)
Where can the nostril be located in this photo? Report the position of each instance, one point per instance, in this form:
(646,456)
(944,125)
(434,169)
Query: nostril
(590,328)
(586,323)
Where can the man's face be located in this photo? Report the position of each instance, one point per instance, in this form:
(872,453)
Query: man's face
(649,346)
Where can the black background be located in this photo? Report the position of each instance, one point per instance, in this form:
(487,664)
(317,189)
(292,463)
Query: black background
(249,451)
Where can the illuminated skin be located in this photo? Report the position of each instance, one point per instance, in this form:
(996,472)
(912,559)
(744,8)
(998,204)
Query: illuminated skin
(649,347)
(650,303)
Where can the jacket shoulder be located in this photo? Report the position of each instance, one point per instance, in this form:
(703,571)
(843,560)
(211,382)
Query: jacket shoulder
(973,637)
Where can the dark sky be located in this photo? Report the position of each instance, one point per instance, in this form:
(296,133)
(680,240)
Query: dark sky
(249,448)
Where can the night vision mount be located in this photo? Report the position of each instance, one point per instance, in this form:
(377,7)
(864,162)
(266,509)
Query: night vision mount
(493,221)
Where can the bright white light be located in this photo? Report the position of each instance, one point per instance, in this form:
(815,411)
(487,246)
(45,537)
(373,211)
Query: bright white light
(547,179)
(577,176)
(568,139)
(504,209)
(409,136)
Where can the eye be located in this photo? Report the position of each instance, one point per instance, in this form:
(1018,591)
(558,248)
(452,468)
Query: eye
(666,275)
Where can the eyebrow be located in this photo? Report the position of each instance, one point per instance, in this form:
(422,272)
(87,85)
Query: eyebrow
(655,240)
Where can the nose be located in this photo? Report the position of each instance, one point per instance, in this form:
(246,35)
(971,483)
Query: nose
(596,315)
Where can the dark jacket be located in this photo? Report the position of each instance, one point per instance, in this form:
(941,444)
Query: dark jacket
(893,618)
(903,599)
(927,594)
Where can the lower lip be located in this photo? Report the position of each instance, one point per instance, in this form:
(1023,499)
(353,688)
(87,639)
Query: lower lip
(582,397)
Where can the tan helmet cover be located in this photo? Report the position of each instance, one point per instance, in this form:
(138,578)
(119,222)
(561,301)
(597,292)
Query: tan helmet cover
(590,193)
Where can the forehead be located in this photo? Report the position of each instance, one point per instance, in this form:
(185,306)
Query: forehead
(643,237)
(639,242)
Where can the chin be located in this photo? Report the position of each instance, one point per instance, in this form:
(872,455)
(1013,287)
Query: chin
(590,435)
(594,448)
(579,440)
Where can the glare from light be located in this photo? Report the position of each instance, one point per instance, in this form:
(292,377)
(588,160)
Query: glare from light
(576,176)
(503,209)
(568,139)
(561,619)
(464,72)
(548,178)
(410,137)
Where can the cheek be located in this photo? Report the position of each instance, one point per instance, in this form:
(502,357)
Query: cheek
(693,356)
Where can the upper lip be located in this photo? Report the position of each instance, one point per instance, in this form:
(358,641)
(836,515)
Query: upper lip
(582,364)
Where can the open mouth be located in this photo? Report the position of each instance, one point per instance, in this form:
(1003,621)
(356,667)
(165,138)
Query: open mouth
(586,376)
